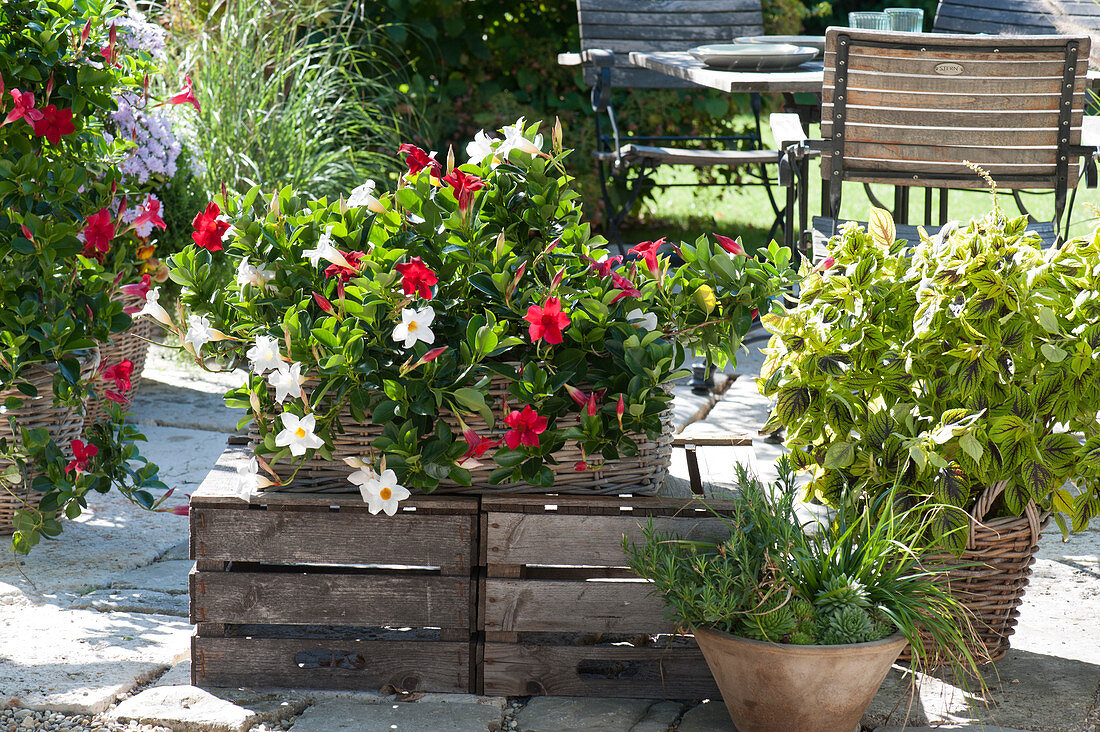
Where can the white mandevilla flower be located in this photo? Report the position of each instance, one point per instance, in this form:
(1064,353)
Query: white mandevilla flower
(380,492)
(248,477)
(265,355)
(481,147)
(415,326)
(514,140)
(287,381)
(648,321)
(298,434)
(326,251)
(250,274)
(364,196)
(199,333)
(154,309)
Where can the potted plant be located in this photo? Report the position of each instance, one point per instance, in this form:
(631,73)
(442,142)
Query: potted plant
(959,374)
(800,621)
(57,184)
(465,332)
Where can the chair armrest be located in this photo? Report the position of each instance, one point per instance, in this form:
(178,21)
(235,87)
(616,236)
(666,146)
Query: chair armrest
(597,57)
(786,129)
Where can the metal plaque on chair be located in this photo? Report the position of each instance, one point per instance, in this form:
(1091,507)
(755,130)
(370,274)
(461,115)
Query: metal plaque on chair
(948,69)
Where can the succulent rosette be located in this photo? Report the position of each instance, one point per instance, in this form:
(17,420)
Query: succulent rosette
(399,309)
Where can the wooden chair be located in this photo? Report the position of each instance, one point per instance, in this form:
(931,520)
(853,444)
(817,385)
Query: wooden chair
(1018,17)
(609,31)
(911,109)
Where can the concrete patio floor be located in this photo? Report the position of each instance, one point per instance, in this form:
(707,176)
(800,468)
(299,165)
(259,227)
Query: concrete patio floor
(94,632)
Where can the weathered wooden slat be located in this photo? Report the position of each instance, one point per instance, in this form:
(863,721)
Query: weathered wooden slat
(961,40)
(970,102)
(985,61)
(937,157)
(695,35)
(623,46)
(559,606)
(978,71)
(948,84)
(331,664)
(639,16)
(667,6)
(904,135)
(1073,7)
(603,505)
(517,538)
(989,125)
(647,672)
(297,537)
(331,599)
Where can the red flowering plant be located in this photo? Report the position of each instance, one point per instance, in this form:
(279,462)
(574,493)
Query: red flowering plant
(59,202)
(470,316)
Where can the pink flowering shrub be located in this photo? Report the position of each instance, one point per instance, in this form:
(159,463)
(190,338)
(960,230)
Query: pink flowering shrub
(401,307)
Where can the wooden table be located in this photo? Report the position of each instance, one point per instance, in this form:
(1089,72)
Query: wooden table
(806,78)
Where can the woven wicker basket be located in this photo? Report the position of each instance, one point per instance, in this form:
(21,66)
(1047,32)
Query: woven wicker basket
(640,474)
(132,345)
(990,576)
(64,423)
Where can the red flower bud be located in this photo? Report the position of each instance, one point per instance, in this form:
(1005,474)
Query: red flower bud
(580,466)
(576,395)
(620,408)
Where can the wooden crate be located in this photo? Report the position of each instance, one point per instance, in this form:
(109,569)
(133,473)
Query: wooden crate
(561,613)
(312,591)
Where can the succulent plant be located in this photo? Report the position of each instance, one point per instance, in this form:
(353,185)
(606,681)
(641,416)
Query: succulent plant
(842,591)
(849,624)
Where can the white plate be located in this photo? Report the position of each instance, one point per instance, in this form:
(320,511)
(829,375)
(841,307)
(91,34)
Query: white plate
(753,56)
(817,42)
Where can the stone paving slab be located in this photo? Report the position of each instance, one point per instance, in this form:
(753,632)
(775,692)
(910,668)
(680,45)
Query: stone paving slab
(585,714)
(132,601)
(188,708)
(709,717)
(164,576)
(343,715)
(79,661)
(177,393)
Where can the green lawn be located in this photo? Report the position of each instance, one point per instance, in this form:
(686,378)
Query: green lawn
(685,213)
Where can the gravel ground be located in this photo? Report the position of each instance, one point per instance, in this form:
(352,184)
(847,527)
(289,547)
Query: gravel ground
(20,720)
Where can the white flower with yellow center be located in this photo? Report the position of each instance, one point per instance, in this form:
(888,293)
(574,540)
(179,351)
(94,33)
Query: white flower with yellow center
(380,492)
(154,309)
(481,147)
(647,321)
(298,434)
(250,274)
(326,251)
(364,196)
(199,333)
(514,140)
(415,326)
(287,381)
(265,355)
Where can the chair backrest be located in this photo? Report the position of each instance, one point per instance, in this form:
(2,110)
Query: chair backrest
(909,108)
(623,26)
(1018,17)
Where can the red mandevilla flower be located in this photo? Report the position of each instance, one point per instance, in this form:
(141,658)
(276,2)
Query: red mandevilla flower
(99,231)
(81,455)
(120,373)
(150,213)
(209,229)
(139,290)
(733,246)
(626,287)
(24,108)
(417,278)
(416,159)
(546,322)
(186,95)
(526,426)
(603,269)
(54,124)
(465,187)
(647,250)
(476,445)
(346,273)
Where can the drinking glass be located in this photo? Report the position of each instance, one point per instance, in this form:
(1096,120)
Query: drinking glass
(869,21)
(909,20)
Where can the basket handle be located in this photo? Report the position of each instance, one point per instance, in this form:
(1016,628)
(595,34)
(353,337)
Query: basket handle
(985,502)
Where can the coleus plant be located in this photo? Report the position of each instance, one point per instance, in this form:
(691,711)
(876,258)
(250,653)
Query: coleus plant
(944,368)
(401,307)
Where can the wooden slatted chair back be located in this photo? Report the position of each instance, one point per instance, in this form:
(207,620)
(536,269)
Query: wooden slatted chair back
(623,26)
(1018,17)
(910,109)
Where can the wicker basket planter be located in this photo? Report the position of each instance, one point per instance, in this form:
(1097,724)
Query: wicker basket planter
(133,345)
(64,424)
(990,576)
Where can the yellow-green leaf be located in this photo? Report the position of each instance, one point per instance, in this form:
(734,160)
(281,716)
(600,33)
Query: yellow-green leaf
(880,226)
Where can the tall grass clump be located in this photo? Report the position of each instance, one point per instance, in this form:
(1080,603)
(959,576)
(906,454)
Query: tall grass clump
(293,93)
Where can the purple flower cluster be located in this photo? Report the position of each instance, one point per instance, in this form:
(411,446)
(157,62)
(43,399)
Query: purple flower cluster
(137,34)
(157,147)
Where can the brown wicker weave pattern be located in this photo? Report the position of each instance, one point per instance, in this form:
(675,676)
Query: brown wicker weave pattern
(64,423)
(1000,553)
(132,345)
(641,474)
